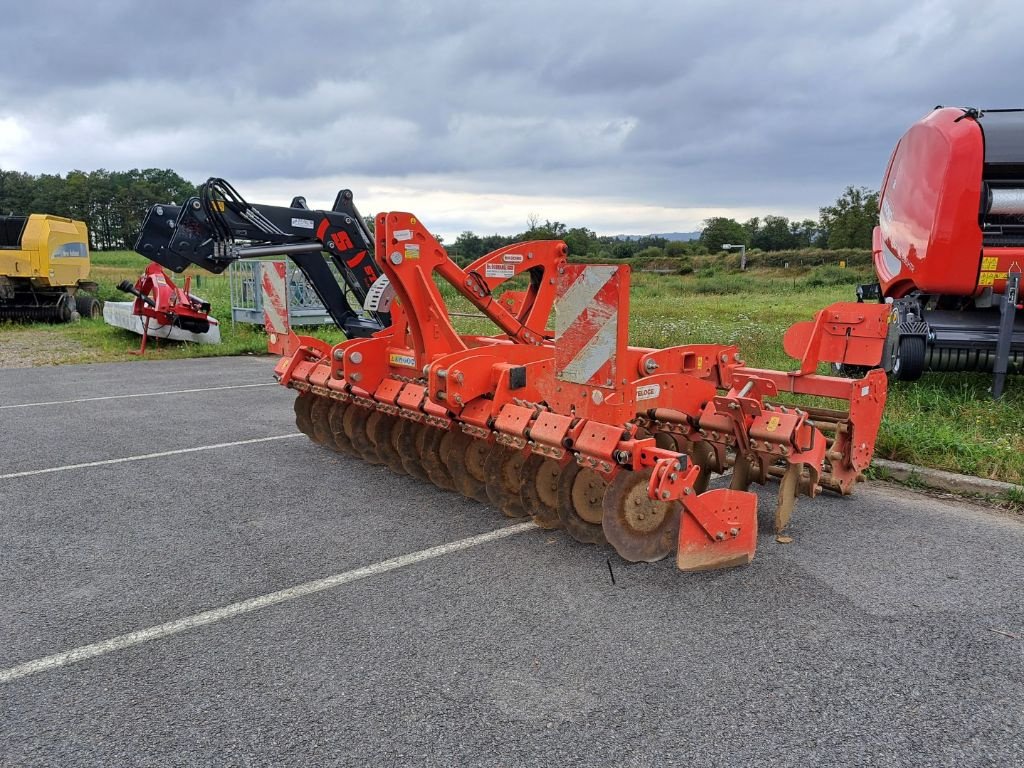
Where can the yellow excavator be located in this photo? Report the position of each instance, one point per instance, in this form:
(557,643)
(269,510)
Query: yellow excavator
(44,269)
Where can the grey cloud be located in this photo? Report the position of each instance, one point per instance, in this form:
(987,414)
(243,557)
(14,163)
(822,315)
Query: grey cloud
(737,105)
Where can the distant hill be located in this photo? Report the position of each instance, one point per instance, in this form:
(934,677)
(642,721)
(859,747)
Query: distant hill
(666,235)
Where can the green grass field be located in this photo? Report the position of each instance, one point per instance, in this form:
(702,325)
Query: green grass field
(946,420)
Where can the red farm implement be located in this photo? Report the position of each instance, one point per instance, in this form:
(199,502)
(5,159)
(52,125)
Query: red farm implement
(571,426)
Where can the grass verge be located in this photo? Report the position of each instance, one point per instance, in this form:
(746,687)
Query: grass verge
(947,421)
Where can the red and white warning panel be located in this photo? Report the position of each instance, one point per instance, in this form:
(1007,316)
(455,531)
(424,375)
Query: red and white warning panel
(274,284)
(591,323)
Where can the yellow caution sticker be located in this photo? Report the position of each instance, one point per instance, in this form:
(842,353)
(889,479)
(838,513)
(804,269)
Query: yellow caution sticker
(773,424)
(988,278)
(990,264)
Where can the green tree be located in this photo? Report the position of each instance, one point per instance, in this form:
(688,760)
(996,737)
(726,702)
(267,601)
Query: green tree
(720,230)
(849,222)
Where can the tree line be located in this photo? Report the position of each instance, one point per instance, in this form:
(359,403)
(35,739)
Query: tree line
(112,204)
(847,223)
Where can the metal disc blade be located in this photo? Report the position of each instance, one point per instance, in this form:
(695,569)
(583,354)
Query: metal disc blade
(320,416)
(381,430)
(336,418)
(580,498)
(409,442)
(502,469)
(538,490)
(466,466)
(438,443)
(302,406)
(354,423)
(640,528)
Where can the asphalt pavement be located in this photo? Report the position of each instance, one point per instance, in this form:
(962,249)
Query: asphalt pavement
(889,632)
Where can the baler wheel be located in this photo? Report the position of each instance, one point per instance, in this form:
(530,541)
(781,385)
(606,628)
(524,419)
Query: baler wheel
(789,487)
(640,528)
(580,503)
(502,469)
(336,418)
(538,483)
(319,414)
(908,361)
(466,461)
(303,405)
(410,438)
(382,431)
(354,423)
(435,453)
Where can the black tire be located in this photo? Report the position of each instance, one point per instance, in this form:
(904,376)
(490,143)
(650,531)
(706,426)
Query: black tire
(88,307)
(908,363)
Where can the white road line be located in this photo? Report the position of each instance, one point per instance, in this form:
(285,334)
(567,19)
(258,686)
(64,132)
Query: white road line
(159,631)
(144,456)
(141,394)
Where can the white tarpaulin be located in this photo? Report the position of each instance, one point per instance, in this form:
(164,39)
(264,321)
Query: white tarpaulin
(119,314)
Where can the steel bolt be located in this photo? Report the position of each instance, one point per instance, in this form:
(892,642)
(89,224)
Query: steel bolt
(720,536)
(396,258)
(665,494)
(734,531)
(651,365)
(687,491)
(356,357)
(339,354)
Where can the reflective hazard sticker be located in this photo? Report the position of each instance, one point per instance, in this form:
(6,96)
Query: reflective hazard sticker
(502,271)
(648,391)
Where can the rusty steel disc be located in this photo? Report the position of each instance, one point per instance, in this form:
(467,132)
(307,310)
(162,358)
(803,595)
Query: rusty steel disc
(538,490)
(641,529)
(502,469)
(580,498)
(434,457)
(336,420)
(354,423)
(789,487)
(381,431)
(319,414)
(303,405)
(466,461)
(410,443)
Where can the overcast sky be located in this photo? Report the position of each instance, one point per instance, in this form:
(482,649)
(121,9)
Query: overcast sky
(624,117)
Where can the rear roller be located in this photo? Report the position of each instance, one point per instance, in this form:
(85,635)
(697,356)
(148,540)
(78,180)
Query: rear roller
(538,490)
(640,528)
(437,446)
(466,461)
(502,469)
(580,503)
(303,405)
